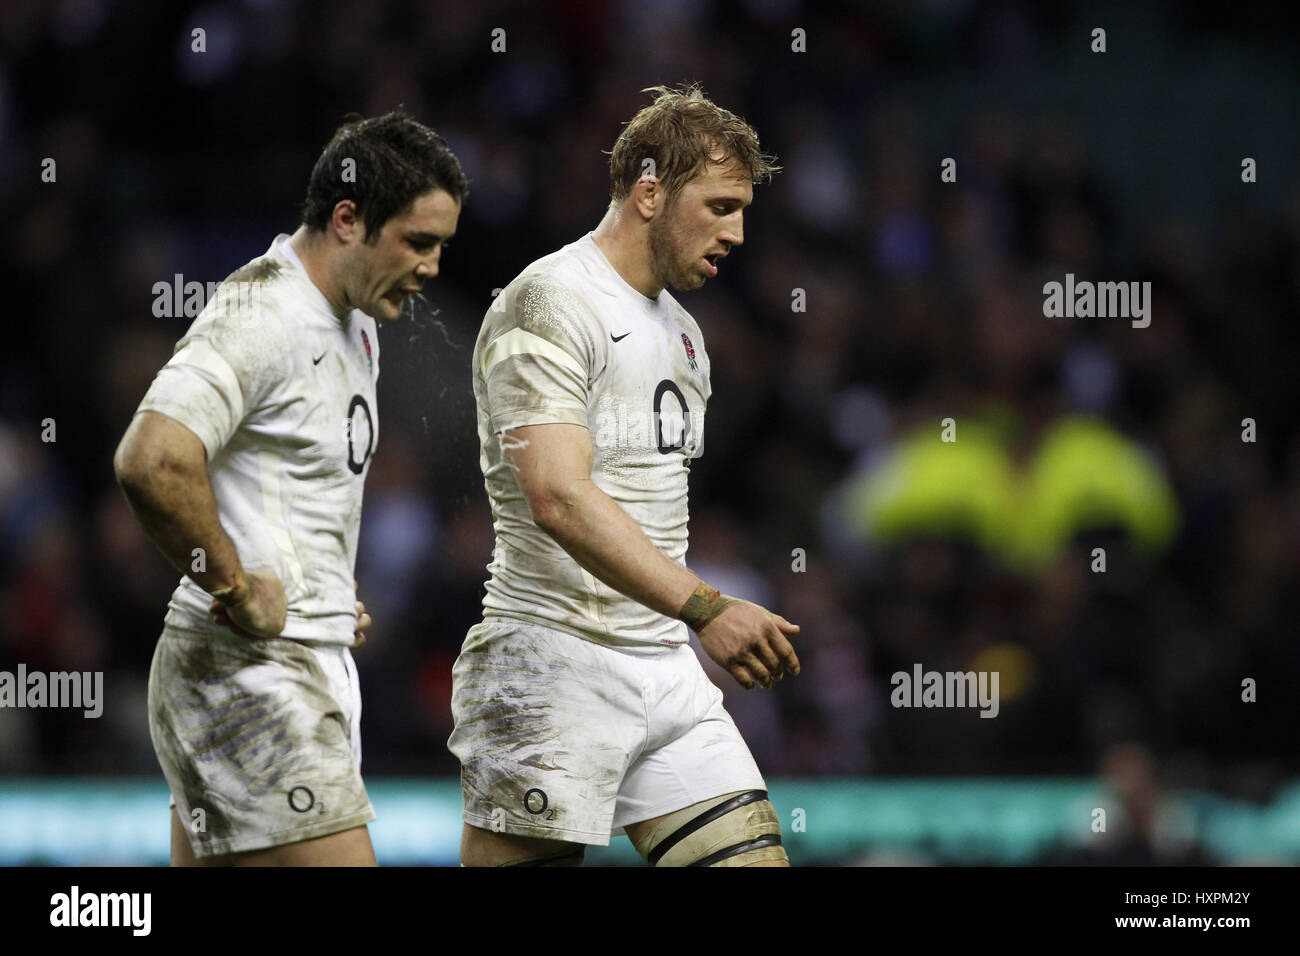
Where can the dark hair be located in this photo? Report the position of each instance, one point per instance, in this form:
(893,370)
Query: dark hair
(681,131)
(397,159)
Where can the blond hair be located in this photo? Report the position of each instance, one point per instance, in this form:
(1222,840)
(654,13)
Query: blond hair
(681,131)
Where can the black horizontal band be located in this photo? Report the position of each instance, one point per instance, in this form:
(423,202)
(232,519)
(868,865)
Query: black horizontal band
(704,819)
(767,839)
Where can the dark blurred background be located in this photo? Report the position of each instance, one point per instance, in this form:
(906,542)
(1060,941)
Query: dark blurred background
(923,300)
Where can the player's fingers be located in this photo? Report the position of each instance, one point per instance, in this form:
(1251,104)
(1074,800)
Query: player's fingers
(363,622)
(785,625)
(752,664)
(768,656)
(742,676)
(785,650)
(221,617)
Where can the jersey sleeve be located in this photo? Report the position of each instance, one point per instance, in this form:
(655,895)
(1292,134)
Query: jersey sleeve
(538,368)
(221,370)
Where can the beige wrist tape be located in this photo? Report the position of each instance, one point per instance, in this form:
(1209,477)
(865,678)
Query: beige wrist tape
(703,606)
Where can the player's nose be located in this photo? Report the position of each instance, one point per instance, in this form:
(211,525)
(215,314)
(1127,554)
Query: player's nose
(733,234)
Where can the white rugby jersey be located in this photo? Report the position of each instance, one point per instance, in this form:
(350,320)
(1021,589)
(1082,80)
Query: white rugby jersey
(569,341)
(280,388)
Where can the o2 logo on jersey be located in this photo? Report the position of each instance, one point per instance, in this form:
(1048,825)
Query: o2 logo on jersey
(672,419)
(357,428)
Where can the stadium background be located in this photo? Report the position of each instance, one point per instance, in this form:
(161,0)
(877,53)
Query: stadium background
(1120,690)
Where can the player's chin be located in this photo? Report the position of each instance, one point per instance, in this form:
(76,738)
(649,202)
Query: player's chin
(386,310)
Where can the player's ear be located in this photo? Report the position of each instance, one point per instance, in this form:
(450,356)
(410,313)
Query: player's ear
(347,227)
(648,196)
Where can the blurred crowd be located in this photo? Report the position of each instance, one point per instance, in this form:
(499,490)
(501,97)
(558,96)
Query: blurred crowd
(923,302)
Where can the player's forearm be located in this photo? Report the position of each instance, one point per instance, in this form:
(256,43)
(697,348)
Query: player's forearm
(175,506)
(590,526)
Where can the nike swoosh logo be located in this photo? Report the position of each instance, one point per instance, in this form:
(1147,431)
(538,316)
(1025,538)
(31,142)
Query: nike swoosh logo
(316,361)
(619,338)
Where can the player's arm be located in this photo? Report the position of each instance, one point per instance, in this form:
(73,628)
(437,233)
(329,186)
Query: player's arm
(552,463)
(162,468)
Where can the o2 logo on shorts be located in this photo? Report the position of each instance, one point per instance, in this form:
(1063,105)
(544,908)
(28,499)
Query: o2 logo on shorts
(302,800)
(536,803)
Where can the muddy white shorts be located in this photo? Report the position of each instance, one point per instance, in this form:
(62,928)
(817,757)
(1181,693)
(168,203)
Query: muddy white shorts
(263,737)
(562,738)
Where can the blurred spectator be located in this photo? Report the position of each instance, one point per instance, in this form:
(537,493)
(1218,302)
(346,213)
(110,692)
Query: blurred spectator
(1144,824)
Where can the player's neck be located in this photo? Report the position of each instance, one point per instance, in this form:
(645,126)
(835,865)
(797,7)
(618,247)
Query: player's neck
(314,259)
(628,251)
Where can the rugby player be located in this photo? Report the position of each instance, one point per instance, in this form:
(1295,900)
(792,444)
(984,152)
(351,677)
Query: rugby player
(245,464)
(581,710)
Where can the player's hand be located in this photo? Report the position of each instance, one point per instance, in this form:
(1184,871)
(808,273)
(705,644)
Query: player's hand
(363,622)
(750,642)
(259,608)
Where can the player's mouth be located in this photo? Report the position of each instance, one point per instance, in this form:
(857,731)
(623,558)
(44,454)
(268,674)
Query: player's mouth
(711,263)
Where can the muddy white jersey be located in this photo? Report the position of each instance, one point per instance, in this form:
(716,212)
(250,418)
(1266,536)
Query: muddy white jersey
(569,341)
(279,386)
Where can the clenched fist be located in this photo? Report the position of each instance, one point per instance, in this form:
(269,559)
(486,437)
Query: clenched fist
(255,607)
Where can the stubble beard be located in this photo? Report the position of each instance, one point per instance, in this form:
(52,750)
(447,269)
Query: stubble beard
(665,258)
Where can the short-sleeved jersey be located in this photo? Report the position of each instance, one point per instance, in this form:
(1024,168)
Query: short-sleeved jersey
(280,388)
(570,341)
